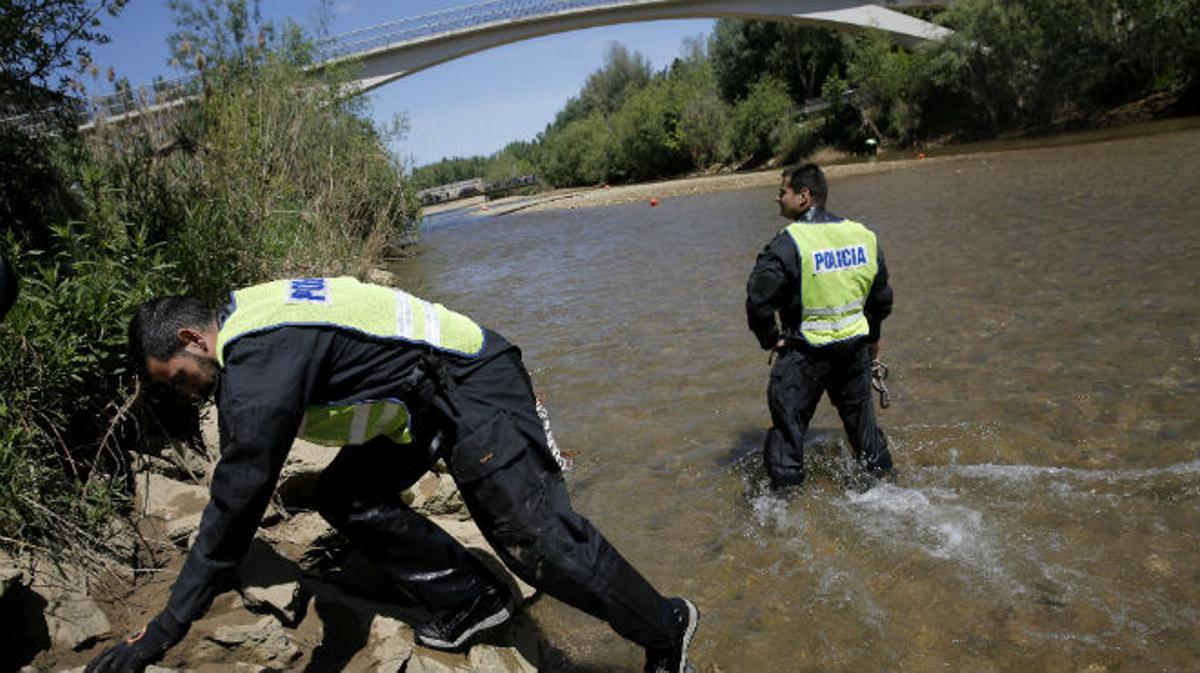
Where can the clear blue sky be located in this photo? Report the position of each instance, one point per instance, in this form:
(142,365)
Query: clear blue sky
(473,105)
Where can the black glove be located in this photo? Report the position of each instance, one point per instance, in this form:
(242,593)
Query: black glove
(140,649)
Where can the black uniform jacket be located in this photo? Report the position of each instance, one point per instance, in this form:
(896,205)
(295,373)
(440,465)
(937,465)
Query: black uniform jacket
(774,286)
(268,381)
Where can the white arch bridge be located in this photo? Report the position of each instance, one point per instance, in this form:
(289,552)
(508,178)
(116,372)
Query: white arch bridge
(389,51)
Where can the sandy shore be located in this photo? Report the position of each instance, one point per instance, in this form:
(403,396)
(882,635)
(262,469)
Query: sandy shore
(594,197)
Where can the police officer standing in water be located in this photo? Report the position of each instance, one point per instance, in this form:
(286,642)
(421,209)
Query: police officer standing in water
(400,383)
(825,277)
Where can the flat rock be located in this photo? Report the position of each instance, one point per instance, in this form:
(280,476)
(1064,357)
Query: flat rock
(481,657)
(270,584)
(300,530)
(298,479)
(492,658)
(432,661)
(75,621)
(10,577)
(436,494)
(72,619)
(390,644)
(176,503)
(264,639)
(381,277)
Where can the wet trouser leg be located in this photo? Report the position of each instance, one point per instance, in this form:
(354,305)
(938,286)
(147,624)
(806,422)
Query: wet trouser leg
(359,495)
(518,498)
(792,395)
(850,390)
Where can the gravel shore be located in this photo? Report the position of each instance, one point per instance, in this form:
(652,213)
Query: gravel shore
(593,197)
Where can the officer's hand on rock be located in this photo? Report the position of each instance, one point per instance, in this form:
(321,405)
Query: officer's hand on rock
(135,652)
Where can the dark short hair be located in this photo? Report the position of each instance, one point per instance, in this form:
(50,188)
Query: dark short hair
(154,328)
(808,176)
(8,286)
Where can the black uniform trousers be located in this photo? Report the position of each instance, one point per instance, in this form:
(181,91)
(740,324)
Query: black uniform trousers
(798,378)
(497,453)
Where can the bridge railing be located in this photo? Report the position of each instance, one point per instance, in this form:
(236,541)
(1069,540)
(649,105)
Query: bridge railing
(158,93)
(165,91)
(455,19)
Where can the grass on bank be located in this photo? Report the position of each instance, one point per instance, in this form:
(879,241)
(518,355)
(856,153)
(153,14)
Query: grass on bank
(270,174)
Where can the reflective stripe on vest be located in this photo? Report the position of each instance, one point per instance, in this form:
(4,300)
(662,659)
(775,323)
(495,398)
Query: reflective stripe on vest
(838,262)
(356,423)
(345,303)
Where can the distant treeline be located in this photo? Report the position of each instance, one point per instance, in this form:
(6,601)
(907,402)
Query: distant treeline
(746,95)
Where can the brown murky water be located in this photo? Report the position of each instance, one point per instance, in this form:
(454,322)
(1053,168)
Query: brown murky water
(1045,358)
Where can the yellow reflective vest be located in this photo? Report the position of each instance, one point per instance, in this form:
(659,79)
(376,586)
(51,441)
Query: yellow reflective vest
(372,310)
(838,263)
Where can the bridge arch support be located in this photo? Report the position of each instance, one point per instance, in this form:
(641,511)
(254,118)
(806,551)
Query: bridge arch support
(385,62)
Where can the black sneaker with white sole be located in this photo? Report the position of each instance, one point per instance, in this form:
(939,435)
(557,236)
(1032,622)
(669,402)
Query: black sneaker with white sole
(674,659)
(451,630)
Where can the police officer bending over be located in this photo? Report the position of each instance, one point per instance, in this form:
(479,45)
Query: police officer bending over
(825,277)
(399,382)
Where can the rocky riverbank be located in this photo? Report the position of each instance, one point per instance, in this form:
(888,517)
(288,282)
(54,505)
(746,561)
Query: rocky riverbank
(302,599)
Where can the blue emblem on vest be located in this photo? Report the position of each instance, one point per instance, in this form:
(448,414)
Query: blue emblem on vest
(307,291)
(839,259)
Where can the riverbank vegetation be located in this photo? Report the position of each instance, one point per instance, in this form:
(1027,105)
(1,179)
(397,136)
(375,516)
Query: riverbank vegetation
(759,92)
(269,173)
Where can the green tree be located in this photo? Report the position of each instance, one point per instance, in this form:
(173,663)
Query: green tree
(799,56)
(43,47)
(761,120)
(890,82)
(42,41)
(448,170)
(577,154)
(605,90)
(645,136)
(1031,64)
(702,125)
(515,160)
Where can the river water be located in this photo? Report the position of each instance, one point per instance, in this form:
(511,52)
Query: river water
(1045,418)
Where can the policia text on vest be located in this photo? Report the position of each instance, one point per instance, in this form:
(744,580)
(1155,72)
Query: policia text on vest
(399,382)
(817,296)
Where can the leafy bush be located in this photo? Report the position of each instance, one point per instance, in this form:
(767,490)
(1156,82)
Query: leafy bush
(62,367)
(842,127)
(702,126)
(271,173)
(1032,64)
(761,120)
(799,56)
(282,178)
(514,160)
(577,154)
(644,140)
(890,80)
(607,89)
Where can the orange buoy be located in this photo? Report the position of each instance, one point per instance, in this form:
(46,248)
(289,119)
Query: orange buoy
(653,201)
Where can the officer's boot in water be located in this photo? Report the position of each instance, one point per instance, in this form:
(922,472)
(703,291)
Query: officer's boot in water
(673,658)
